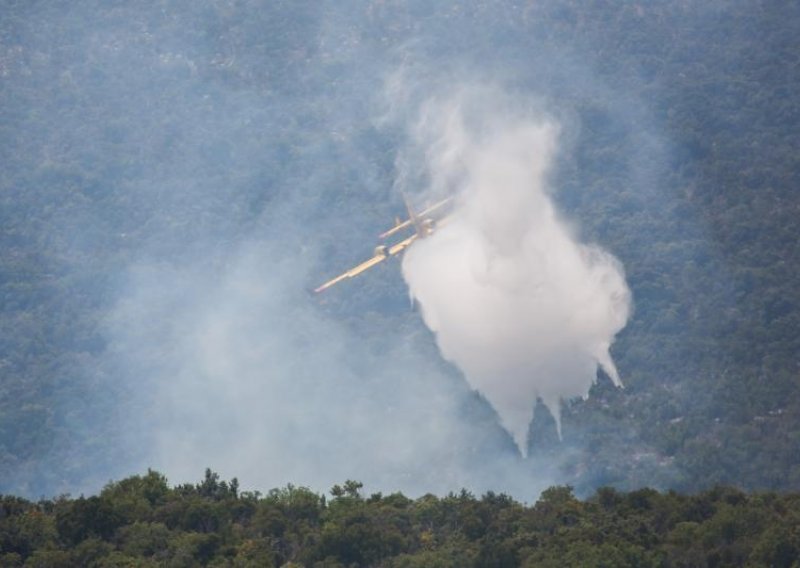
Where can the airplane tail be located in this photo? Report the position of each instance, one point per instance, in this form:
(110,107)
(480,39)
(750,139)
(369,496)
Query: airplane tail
(412,216)
(418,220)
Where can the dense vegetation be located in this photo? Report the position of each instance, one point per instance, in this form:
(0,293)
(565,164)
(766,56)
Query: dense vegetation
(96,135)
(141,521)
(712,353)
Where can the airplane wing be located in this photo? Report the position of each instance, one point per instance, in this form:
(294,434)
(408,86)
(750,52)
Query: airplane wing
(381,253)
(402,245)
(420,215)
(366,265)
(355,271)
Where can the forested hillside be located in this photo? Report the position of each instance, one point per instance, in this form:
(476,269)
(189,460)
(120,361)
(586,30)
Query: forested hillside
(177,175)
(141,521)
(718,324)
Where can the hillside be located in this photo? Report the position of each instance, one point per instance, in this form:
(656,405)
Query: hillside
(176,178)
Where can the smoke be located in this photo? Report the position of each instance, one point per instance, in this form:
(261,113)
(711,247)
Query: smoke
(187,174)
(247,376)
(522,307)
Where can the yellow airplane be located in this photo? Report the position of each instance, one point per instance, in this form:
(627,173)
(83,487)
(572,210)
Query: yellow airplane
(424,224)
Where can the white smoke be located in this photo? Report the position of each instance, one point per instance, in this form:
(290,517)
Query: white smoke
(516,302)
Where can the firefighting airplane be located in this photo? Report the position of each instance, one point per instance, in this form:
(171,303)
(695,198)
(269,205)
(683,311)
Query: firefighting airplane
(424,223)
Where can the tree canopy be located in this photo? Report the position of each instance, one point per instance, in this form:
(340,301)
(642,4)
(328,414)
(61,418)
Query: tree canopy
(142,521)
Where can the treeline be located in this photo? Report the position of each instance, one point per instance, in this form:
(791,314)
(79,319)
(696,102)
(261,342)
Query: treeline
(142,521)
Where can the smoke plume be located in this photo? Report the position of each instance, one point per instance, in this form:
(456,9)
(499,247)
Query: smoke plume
(522,307)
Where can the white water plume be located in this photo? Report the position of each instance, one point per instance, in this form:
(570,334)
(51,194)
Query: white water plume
(516,302)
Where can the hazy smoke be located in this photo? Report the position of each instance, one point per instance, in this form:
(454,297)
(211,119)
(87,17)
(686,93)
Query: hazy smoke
(247,377)
(516,302)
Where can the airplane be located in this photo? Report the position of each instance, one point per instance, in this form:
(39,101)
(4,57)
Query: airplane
(424,225)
